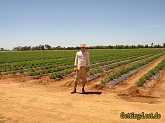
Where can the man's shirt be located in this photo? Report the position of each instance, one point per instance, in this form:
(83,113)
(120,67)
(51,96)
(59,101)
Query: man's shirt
(82,59)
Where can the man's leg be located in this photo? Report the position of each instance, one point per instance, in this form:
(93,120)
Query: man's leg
(83,84)
(83,90)
(77,77)
(84,78)
(75,86)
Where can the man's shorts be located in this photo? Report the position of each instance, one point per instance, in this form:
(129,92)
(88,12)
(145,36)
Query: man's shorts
(82,73)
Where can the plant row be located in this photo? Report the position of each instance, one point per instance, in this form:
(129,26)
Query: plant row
(151,73)
(39,67)
(116,64)
(125,70)
(52,63)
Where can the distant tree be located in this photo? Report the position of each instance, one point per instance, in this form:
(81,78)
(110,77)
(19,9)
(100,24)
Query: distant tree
(72,48)
(41,47)
(25,48)
(139,46)
(77,48)
(159,46)
(17,48)
(2,49)
(48,47)
(35,48)
(146,46)
(110,47)
(163,44)
(58,47)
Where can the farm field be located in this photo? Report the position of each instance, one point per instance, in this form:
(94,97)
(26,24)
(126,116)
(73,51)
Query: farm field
(59,64)
(35,86)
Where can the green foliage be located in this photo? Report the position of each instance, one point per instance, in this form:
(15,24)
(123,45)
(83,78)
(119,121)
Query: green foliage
(58,64)
(128,69)
(150,73)
(141,81)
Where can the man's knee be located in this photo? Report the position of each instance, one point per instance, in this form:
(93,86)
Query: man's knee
(84,82)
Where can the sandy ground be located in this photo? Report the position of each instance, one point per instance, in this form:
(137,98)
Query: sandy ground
(26,100)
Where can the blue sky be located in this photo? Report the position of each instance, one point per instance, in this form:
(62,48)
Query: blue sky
(71,22)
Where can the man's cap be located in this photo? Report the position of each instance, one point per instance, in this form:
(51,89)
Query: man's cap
(82,45)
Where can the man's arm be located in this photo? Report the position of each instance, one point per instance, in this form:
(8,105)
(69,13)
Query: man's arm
(88,62)
(75,63)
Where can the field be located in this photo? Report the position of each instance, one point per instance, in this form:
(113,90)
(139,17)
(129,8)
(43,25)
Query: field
(35,86)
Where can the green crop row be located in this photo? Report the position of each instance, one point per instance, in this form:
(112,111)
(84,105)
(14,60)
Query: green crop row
(151,73)
(126,70)
(52,63)
(116,64)
(60,75)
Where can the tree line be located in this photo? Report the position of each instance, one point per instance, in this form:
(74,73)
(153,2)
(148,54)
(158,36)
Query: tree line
(48,47)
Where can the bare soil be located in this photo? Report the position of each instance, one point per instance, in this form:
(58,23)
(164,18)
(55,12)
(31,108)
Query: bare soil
(27,100)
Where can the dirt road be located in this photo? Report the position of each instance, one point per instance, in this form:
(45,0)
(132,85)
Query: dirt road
(25,100)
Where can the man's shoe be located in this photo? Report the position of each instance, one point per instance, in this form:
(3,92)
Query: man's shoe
(74,91)
(83,91)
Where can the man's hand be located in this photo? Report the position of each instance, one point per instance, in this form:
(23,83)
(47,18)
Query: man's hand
(87,69)
(75,69)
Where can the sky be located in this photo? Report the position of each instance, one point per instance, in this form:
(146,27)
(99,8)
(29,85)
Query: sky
(69,23)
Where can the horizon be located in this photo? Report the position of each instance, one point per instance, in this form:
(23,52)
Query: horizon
(139,46)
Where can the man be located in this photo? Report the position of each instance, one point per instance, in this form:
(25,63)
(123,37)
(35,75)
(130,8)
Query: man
(81,66)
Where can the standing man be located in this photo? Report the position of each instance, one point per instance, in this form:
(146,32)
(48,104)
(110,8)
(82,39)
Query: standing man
(81,66)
